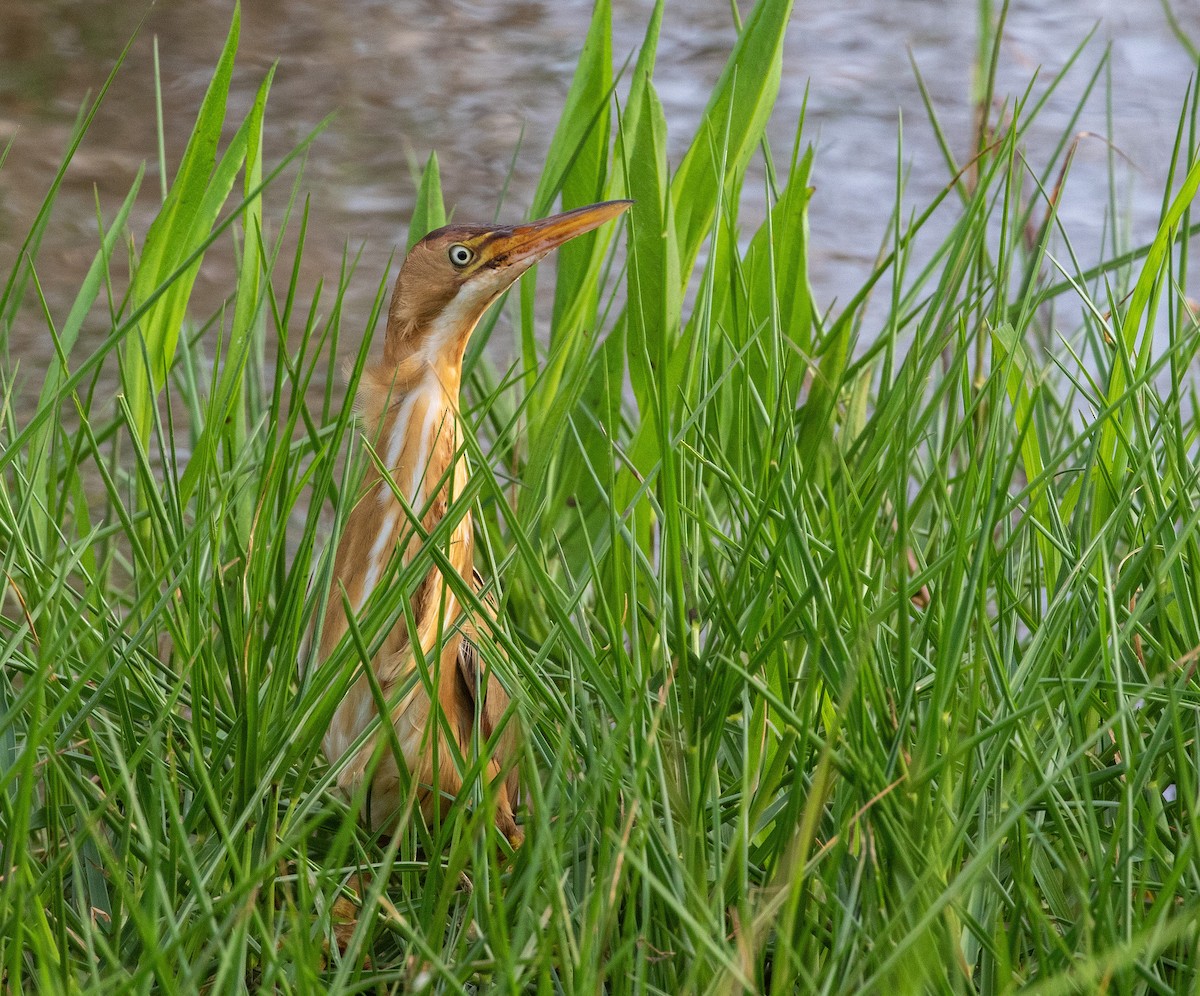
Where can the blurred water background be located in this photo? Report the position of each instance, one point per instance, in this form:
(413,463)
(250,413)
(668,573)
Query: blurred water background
(483,84)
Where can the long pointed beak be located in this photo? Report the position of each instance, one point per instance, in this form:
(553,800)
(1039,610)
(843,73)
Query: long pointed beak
(533,241)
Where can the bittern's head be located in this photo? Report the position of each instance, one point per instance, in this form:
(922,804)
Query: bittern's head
(452,275)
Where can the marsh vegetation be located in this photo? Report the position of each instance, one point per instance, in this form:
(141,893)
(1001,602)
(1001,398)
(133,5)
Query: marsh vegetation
(856,647)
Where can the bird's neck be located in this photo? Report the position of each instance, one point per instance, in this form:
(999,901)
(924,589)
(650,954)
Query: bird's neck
(414,427)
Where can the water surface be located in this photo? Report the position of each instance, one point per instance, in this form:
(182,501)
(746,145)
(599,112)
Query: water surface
(483,84)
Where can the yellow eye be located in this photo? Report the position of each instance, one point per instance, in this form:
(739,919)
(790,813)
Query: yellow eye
(460,255)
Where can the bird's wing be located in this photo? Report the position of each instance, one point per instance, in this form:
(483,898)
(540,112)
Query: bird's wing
(489,698)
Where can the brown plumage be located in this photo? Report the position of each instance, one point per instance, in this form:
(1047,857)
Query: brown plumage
(409,407)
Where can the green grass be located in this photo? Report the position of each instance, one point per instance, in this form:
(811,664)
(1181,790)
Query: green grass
(857,648)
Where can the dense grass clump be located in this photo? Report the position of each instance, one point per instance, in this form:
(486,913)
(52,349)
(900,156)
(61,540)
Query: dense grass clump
(857,649)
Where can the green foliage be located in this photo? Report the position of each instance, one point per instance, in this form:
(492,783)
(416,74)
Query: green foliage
(857,650)
(429,213)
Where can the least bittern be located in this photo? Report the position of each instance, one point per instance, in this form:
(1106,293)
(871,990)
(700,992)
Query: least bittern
(409,406)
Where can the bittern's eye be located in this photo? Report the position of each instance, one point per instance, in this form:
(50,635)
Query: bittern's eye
(460,255)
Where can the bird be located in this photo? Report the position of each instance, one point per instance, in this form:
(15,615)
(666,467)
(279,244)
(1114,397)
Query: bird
(408,405)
